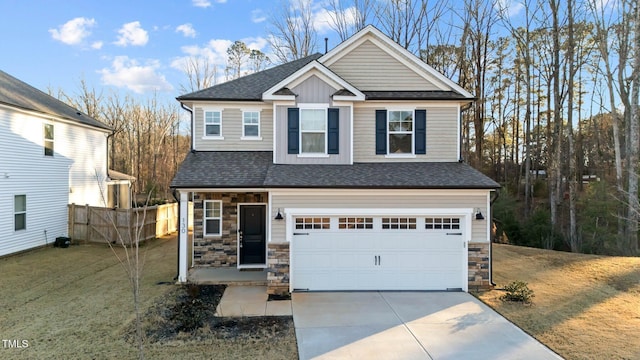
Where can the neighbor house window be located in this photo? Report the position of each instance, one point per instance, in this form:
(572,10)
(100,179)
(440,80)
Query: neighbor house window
(48,139)
(20,212)
(400,132)
(313,131)
(251,124)
(213,123)
(213,217)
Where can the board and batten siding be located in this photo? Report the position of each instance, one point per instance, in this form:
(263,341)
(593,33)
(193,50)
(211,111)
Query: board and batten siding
(79,159)
(344,155)
(313,90)
(442,135)
(370,68)
(232,129)
(371,199)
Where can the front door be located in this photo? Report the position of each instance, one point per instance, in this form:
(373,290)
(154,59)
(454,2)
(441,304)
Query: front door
(252,235)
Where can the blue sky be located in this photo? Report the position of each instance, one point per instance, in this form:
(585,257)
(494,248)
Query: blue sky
(129,46)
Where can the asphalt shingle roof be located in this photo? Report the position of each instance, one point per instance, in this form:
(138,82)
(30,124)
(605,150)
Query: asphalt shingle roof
(414,95)
(19,94)
(252,86)
(256,169)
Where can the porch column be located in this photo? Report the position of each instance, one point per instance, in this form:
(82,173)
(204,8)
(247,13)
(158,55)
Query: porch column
(183,236)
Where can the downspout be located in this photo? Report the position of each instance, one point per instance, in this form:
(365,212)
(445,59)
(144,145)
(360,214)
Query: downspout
(495,196)
(193,125)
(175,196)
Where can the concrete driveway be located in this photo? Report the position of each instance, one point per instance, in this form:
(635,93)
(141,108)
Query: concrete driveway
(406,325)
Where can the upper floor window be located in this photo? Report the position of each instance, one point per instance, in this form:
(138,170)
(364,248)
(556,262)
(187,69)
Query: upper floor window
(20,212)
(251,124)
(400,132)
(213,217)
(313,131)
(212,123)
(48,139)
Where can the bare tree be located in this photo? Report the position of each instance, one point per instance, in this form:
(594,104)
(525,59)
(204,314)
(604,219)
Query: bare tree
(258,60)
(348,17)
(238,55)
(292,33)
(201,73)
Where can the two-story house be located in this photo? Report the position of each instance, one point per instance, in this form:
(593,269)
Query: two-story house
(52,155)
(338,171)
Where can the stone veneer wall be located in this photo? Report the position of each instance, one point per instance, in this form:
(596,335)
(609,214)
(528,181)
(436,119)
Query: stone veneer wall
(479,266)
(220,251)
(278,270)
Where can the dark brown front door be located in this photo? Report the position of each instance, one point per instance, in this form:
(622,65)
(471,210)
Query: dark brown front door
(252,235)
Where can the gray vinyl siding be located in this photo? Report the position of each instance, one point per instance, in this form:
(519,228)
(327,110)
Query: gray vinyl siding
(369,68)
(232,130)
(369,200)
(313,90)
(282,156)
(442,135)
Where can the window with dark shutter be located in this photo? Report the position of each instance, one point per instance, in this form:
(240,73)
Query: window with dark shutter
(421,132)
(333,131)
(293,130)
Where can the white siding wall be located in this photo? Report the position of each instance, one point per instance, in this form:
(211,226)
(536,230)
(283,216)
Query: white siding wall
(369,68)
(232,129)
(25,170)
(370,199)
(442,135)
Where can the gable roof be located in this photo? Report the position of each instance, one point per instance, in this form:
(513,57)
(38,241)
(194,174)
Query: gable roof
(250,87)
(16,93)
(242,169)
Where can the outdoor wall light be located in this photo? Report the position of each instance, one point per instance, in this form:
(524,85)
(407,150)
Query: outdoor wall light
(279,215)
(479,215)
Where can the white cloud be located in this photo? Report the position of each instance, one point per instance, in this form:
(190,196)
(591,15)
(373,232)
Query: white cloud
(258,43)
(509,7)
(97,45)
(132,34)
(258,16)
(187,30)
(128,73)
(201,3)
(73,31)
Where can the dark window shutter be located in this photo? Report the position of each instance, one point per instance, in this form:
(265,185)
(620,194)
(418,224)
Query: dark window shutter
(381,132)
(293,130)
(421,131)
(333,131)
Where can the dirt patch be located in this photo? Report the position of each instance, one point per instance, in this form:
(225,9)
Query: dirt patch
(188,312)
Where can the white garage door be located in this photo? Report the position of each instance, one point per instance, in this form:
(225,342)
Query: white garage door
(378,253)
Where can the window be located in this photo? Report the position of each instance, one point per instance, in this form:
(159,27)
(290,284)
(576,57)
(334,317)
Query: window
(251,124)
(442,223)
(213,217)
(313,131)
(355,223)
(48,139)
(213,123)
(312,223)
(400,132)
(399,223)
(20,212)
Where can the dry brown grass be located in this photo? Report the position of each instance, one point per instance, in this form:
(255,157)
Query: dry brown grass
(76,303)
(585,306)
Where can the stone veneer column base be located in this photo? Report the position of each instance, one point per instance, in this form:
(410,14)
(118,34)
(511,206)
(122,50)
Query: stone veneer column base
(278,269)
(479,266)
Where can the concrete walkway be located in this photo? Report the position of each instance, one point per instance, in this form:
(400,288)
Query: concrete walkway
(239,301)
(407,325)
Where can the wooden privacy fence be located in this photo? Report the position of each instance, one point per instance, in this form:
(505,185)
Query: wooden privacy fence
(98,224)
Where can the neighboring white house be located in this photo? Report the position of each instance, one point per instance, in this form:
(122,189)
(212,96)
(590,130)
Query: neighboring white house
(52,155)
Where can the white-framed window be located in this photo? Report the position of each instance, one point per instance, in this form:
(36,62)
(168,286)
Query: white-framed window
(251,124)
(400,132)
(313,131)
(398,223)
(213,123)
(20,212)
(316,223)
(212,221)
(48,139)
(355,223)
(442,223)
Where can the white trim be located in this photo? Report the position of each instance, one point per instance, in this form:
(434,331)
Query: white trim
(259,124)
(324,108)
(266,236)
(400,156)
(352,121)
(338,81)
(204,219)
(398,52)
(425,104)
(183,235)
(411,154)
(52,140)
(251,138)
(274,134)
(378,192)
(213,138)
(459,132)
(313,155)
(206,110)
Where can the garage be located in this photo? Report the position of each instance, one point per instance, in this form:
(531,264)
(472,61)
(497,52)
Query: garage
(368,251)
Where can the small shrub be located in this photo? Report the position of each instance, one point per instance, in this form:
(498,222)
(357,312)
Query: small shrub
(518,291)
